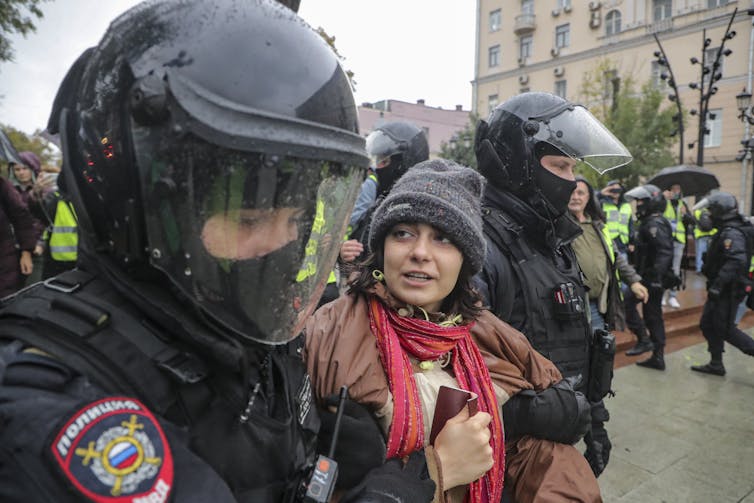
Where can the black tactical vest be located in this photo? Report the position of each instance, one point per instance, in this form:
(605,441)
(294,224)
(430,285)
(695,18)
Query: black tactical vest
(556,320)
(258,435)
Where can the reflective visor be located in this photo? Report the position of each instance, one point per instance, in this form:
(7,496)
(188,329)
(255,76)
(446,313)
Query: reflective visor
(250,237)
(578,134)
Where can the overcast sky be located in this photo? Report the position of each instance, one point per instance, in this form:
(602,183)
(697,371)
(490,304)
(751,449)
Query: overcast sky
(397,49)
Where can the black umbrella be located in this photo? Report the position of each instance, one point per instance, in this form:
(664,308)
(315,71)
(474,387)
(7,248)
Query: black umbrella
(694,180)
(7,150)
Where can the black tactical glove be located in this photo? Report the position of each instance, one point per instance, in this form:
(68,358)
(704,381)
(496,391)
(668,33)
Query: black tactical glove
(557,413)
(597,443)
(360,446)
(395,482)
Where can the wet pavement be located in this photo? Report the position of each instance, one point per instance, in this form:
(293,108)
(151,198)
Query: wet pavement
(681,436)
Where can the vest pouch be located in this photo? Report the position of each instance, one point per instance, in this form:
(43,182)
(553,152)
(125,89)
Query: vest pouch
(567,303)
(601,365)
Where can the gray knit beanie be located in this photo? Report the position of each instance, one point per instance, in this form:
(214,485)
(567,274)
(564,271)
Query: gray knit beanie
(442,194)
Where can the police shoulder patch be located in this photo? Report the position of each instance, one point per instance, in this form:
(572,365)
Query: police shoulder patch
(653,231)
(114,451)
(727,243)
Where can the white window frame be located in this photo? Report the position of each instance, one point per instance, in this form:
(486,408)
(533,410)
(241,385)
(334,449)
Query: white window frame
(561,88)
(525,41)
(563,35)
(661,10)
(715,126)
(493,51)
(496,19)
(613,23)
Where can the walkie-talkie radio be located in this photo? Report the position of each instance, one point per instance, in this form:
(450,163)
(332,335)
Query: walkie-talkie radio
(325,473)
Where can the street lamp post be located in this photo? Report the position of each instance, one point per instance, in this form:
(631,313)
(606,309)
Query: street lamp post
(746,115)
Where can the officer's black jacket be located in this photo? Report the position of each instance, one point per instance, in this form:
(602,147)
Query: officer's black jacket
(654,248)
(727,260)
(497,282)
(196,384)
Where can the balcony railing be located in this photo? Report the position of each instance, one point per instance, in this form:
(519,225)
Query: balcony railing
(524,23)
(658,26)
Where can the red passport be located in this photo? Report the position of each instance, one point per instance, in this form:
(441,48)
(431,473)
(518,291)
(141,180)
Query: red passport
(450,401)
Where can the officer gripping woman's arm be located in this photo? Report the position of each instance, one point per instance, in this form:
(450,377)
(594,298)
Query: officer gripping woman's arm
(164,367)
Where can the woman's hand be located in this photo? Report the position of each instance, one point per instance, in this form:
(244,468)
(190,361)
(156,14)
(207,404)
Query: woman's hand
(350,249)
(640,291)
(463,446)
(25,262)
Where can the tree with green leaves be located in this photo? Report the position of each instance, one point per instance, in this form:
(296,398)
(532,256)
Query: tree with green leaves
(461,147)
(638,119)
(17,16)
(34,143)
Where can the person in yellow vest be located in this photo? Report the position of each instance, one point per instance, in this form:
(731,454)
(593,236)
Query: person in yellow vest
(678,214)
(61,236)
(703,232)
(618,215)
(603,267)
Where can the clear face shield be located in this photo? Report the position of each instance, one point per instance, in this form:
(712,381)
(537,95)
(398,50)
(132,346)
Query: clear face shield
(577,133)
(380,147)
(251,237)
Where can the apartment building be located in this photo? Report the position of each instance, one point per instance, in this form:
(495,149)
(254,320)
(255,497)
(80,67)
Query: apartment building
(440,125)
(549,45)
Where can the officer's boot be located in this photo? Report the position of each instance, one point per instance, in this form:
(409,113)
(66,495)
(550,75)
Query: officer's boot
(643,344)
(714,367)
(656,361)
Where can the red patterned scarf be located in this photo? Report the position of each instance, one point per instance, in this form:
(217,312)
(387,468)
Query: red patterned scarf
(397,338)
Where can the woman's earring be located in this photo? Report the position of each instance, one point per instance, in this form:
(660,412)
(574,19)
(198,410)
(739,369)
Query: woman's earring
(378,275)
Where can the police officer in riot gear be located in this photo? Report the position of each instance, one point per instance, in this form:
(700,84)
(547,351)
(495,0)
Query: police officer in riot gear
(726,265)
(209,148)
(654,260)
(393,148)
(527,151)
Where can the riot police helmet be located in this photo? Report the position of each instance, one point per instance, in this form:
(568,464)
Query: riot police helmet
(721,206)
(649,199)
(393,148)
(213,145)
(524,129)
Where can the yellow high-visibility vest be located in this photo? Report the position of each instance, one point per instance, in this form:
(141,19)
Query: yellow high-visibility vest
(676,221)
(64,239)
(618,219)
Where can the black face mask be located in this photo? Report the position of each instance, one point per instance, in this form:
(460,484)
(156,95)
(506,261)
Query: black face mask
(557,191)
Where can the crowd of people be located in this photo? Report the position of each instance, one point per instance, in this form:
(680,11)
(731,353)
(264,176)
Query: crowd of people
(267,307)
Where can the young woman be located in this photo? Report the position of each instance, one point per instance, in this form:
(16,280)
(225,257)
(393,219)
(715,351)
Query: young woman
(412,322)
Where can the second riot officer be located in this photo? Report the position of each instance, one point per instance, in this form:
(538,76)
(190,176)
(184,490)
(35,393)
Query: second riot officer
(726,265)
(654,260)
(527,150)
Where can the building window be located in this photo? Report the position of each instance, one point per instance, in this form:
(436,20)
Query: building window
(612,23)
(494,56)
(610,85)
(560,88)
(715,126)
(661,9)
(562,4)
(562,36)
(527,6)
(524,47)
(711,4)
(492,100)
(709,59)
(495,20)
(657,82)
